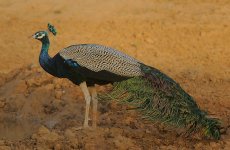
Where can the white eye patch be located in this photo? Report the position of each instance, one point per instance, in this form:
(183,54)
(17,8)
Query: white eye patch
(41,36)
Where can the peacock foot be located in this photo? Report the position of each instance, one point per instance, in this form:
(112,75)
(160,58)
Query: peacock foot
(83,128)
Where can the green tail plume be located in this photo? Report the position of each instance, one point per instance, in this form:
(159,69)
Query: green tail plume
(159,98)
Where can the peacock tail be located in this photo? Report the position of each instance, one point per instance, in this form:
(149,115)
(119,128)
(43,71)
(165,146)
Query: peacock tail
(159,98)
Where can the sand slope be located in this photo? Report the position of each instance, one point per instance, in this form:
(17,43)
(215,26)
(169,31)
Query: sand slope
(188,40)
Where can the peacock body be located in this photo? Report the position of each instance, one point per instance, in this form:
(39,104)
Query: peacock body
(156,95)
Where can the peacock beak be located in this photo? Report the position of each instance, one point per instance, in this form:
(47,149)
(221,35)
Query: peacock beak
(33,36)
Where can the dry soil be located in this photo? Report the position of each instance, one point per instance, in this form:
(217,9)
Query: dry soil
(188,40)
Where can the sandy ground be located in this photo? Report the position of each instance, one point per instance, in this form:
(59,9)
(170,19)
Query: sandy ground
(188,40)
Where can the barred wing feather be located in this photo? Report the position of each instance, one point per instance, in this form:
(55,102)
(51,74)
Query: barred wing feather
(98,58)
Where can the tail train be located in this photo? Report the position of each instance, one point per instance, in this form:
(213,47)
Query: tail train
(159,98)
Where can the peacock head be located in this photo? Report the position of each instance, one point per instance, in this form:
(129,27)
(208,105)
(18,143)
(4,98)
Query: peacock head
(41,35)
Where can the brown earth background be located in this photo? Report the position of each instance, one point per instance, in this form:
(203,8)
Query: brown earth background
(188,40)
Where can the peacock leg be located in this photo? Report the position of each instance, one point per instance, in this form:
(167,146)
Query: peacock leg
(94,100)
(85,91)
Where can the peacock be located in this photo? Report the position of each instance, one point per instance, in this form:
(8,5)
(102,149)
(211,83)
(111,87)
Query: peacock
(154,94)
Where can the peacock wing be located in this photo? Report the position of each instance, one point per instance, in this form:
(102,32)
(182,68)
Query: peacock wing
(98,58)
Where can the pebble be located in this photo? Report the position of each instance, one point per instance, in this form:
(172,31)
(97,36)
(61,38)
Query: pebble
(57,146)
(2,104)
(147,131)
(49,87)
(30,82)
(69,134)
(57,86)
(128,120)
(57,83)
(58,94)
(112,105)
(198,146)
(43,130)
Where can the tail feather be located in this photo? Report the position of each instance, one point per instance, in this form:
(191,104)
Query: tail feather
(159,98)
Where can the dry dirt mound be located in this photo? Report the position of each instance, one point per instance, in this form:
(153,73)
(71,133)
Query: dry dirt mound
(188,40)
(43,112)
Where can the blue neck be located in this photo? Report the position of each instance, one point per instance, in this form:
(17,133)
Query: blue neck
(45,60)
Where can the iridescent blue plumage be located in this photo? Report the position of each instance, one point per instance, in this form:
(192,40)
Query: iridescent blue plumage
(45,60)
(59,67)
(71,63)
